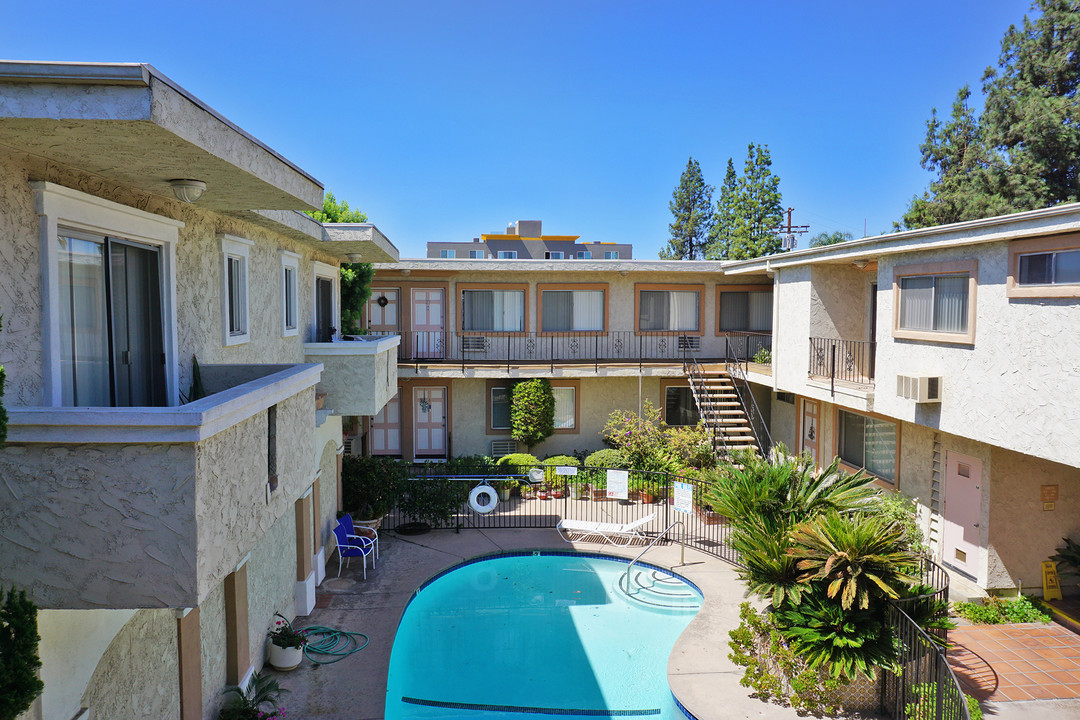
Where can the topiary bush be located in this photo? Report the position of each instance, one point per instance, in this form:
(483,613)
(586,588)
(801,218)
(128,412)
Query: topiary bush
(532,411)
(19,662)
(517,463)
(602,459)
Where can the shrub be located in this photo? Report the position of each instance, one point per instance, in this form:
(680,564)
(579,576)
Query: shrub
(925,706)
(996,611)
(355,292)
(554,461)
(471,465)
(532,411)
(518,463)
(901,509)
(1069,553)
(370,486)
(433,500)
(763,356)
(19,662)
(691,446)
(638,436)
(262,692)
(603,459)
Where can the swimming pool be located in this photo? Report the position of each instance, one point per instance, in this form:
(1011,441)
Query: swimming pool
(539,634)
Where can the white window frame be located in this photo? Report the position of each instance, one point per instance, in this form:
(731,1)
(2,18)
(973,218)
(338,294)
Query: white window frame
(584,255)
(57,206)
(331,273)
(290,261)
(508,255)
(447,254)
(233,246)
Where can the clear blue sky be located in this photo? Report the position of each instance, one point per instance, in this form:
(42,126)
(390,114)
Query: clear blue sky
(445,120)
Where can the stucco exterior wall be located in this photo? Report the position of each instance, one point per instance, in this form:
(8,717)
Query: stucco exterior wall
(233,504)
(1018,387)
(212,653)
(357,385)
(791,330)
(327,512)
(839,296)
(782,426)
(99,525)
(137,677)
(271,578)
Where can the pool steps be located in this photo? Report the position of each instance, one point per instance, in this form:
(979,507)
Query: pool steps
(653,588)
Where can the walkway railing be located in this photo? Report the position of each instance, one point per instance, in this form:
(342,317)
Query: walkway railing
(849,361)
(736,368)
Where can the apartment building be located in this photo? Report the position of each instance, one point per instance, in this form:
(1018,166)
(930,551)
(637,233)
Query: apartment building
(943,361)
(524,240)
(159,515)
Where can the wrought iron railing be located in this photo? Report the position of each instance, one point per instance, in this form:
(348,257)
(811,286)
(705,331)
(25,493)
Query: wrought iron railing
(736,368)
(748,347)
(706,405)
(849,361)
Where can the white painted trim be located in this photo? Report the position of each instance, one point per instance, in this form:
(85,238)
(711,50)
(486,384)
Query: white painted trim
(245,682)
(320,566)
(307,493)
(329,272)
(289,260)
(181,613)
(242,563)
(304,594)
(384,343)
(57,206)
(190,423)
(235,247)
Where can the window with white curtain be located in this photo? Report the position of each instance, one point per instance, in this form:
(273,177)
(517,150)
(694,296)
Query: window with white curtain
(493,310)
(668,310)
(571,310)
(565,410)
(935,303)
(746,310)
(868,443)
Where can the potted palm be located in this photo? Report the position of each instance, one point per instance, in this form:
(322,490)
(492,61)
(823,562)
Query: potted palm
(286,644)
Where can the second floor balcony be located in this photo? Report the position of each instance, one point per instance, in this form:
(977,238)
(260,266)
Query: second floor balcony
(846,362)
(359,376)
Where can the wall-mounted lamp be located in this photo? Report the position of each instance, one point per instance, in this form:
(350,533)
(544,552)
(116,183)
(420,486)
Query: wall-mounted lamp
(354,257)
(860,264)
(624,273)
(405,272)
(187,190)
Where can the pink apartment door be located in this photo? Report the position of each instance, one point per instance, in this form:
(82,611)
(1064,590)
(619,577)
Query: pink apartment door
(383,311)
(963,508)
(811,429)
(429,421)
(386,429)
(427,322)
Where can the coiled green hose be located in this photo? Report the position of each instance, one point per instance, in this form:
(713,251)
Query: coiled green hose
(331,643)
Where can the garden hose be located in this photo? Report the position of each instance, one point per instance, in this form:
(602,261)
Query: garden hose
(331,643)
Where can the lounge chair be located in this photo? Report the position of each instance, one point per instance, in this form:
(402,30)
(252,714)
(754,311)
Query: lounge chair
(353,546)
(614,533)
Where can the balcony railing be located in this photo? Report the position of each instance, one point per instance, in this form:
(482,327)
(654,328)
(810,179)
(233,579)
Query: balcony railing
(849,361)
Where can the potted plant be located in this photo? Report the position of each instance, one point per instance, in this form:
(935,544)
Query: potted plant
(559,483)
(597,466)
(258,702)
(643,485)
(286,644)
(370,487)
(505,487)
(527,491)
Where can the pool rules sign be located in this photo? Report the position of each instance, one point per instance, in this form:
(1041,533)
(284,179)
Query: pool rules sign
(684,497)
(618,484)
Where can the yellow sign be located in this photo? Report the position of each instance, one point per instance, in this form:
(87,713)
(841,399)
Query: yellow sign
(1051,586)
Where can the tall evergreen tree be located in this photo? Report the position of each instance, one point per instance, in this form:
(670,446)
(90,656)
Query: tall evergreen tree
(758,209)
(691,206)
(1023,152)
(724,220)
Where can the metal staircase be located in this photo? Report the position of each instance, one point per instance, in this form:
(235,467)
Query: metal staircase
(721,408)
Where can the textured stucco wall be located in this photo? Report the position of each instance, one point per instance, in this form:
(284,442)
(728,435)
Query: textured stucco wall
(212,656)
(231,502)
(1022,534)
(357,385)
(138,676)
(839,296)
(107,526)
(1018,387)
(271,580)
(72,644)
(791,333)
(782,424)
(327,512)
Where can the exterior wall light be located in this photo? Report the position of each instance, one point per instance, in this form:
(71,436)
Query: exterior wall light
(187,191)
(354,257)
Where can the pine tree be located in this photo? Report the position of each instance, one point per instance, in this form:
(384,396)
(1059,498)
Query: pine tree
(758,208)
(724,220)
(1023,152)
(691,206)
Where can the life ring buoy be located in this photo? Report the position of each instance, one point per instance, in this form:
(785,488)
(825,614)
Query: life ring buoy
(483,498)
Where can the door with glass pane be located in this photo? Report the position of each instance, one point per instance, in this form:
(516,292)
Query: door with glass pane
(427,322)
(429,421)
(111,346)
(963,507)
(811,429)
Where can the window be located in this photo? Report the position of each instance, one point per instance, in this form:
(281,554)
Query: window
(493,310)
(1044,267)
(584,255)
(565,407)
(508,254)
(447,253)
(555,255)
(476,254)
(325,302)
(935,302)
(234,295)
(290,268)
(500,408)
(745,310)
(869,443)
(611,254)
(679,406)
(571,309)
(662,310)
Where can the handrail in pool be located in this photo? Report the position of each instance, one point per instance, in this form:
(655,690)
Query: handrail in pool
(682,551)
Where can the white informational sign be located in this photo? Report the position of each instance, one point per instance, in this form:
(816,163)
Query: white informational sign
(684,497)
(565,470)
(618,484)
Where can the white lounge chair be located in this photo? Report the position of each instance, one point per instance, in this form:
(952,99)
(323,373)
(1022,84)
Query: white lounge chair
(614,533)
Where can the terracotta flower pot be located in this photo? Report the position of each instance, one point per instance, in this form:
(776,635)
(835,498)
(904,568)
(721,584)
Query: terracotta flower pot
(285,658)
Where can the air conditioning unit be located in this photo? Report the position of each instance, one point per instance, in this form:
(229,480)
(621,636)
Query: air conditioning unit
(689,342)
(920,388)
(502,447)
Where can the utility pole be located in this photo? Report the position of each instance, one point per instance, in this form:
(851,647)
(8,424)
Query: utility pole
(789,232)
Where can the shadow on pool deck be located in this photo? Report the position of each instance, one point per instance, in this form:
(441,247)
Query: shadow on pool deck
(700,674)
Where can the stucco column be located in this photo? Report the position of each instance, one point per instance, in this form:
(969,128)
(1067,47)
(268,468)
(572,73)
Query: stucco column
(340,456)
(237,646)
(305,571)
(189,650)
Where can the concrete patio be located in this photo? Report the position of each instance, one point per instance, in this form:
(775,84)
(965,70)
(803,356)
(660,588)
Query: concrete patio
(699,672)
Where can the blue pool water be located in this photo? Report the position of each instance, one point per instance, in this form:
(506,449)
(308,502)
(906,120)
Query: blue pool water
(514,636)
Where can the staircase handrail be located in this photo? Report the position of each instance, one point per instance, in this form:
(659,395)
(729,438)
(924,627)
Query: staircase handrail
(702,399)
(658,538)
(736,371)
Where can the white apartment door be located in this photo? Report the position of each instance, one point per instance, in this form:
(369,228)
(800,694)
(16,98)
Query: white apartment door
(427,322)
(429,421)
(963,508)
(810,441)
(386,429)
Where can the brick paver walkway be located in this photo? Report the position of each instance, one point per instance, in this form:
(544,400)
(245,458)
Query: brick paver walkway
(1023,661)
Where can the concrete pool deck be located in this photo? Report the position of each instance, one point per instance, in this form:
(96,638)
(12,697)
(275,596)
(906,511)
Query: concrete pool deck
(702,677)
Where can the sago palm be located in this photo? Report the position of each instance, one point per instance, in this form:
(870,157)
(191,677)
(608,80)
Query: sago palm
(857,556)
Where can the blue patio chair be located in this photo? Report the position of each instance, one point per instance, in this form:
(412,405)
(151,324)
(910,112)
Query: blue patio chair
(353,547)
(361,532)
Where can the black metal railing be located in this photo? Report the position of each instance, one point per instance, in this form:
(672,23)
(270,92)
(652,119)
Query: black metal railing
(850,361)
(748,347)
(551,348)
(736,368)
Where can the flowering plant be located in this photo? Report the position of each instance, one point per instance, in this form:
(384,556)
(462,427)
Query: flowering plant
(284,635)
